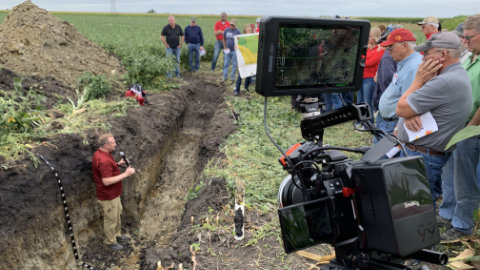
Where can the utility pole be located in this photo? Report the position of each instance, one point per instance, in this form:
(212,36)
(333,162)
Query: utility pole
(112,6)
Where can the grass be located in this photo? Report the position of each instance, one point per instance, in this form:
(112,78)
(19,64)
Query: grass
(252,158)
(25,121)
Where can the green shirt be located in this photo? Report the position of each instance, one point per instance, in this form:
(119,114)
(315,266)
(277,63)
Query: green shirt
(473,70)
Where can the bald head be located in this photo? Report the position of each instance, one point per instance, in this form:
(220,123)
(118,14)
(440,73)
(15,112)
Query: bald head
(171,20)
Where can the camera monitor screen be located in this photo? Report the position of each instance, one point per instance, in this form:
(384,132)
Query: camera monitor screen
(310,56)
(306,224)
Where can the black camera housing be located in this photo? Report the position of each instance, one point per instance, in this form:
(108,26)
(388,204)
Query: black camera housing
(392,203)
(375,212)
(307,56)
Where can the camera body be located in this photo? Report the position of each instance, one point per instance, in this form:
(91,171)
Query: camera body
(385,206)
(375,212)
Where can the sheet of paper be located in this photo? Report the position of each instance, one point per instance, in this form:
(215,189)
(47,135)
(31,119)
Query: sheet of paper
(429,126)
(202,52)
(246,49)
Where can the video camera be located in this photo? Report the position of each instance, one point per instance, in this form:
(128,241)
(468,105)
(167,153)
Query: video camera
(375,212)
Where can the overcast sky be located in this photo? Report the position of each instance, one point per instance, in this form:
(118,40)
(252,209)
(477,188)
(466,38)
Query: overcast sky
(378,8)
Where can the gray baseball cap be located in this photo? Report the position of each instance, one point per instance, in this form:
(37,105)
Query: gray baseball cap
(446,40)
(459,29)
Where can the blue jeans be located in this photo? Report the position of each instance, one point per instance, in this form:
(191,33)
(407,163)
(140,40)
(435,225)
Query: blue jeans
(176,53)
(433,165)
(194,48)
(216,52)
(248,80)
(461,188)
(231,57)
(333,101)
(386,126)
(366,93)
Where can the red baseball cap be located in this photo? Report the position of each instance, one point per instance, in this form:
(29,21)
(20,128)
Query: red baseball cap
(398,35)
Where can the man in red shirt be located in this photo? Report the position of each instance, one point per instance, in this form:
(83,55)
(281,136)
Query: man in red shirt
(108,180)
(257,28)
(218,29)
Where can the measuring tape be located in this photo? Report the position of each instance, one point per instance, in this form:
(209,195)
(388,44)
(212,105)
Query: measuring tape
(67,215)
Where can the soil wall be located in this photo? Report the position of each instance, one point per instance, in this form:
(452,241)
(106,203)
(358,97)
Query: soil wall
(32,229)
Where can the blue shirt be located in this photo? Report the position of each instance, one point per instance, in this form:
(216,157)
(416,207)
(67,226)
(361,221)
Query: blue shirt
(386,69)
(402,79)
(193,34)
(228,35)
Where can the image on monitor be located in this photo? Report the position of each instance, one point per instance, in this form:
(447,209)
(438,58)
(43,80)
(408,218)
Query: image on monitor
(310,56)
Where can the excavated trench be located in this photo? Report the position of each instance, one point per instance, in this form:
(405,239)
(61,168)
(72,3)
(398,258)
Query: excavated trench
(166,203)
(205,124)
(168,142)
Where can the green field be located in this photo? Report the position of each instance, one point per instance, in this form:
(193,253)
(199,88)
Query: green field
(136,37)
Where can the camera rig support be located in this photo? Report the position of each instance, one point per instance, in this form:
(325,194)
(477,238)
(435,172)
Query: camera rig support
(336,183)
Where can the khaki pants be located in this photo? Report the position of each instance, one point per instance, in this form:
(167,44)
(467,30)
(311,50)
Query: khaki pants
(111,210)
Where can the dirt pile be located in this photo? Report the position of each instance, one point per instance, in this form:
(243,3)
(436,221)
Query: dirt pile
(34,42)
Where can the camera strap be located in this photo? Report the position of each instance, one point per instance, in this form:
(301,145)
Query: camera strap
(68,221)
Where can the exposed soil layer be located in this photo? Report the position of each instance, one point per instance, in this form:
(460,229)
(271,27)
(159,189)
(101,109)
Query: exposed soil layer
(168,142)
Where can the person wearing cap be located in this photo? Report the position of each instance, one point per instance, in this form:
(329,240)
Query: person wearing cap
(172,37)
(441,87)
(386,68)
(194,40)
(465,53)
(218,30)
(399,45)
(257,29)
(229,52)
(430,25)
(460,180)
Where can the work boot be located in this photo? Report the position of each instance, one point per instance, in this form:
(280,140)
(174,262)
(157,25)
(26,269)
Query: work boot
(123,238)
(116,246)
(452,235)
(443,222)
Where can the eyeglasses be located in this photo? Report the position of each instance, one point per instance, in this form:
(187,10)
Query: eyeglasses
(470,37)
(389,48)
(425,54)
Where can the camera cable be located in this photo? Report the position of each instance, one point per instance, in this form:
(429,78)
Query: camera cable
(69,225)
(301,180)
(379,134)
(290,163)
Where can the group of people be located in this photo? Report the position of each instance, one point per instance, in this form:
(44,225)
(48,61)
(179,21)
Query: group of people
(403,81)
(173,38)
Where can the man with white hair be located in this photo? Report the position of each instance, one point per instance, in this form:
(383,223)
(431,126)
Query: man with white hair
(430,25)
(441,87)
(400,45)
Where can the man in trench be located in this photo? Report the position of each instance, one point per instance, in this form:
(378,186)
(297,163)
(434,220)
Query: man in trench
(108,180)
